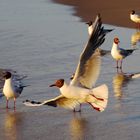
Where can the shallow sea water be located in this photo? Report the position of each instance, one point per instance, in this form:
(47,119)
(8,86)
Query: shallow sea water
(43,40)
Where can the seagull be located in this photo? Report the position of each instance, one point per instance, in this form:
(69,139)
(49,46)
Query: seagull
(91,26)
(90,29)
(135,17)
(11,88)
(80,90)
(118,53)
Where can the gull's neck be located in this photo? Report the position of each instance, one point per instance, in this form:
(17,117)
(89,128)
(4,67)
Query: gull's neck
(8,82)
(115,46)
(65,85)
(64,89)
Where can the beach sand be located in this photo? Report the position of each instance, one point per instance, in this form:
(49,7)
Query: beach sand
(112,12)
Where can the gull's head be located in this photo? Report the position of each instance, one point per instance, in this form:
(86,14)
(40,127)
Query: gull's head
(132,12)
(116,40)
(89,23)
(59,83)
(7,75)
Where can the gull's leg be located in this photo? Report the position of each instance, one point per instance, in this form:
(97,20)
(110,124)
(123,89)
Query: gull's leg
(97,97)
(14,103)
(7,103)
(121,64)
(117,64)
(96,108)
(117,70)
(74,110)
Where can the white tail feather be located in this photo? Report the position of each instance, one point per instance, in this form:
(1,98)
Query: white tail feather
(101,95)
(101,91)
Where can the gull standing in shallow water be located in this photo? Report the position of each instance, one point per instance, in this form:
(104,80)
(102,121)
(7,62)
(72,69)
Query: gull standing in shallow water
(11,89)
(80,90)
(135,18)
(118,53)
(91,28)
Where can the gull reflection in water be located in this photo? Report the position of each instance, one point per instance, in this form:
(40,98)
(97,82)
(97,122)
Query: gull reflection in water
(12,123)
(120,80)
(135,38)
(78,127)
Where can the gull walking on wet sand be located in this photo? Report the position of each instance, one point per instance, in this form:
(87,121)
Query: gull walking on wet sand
(80,90)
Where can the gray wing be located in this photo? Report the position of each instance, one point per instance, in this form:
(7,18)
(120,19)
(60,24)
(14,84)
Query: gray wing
(58,101)
(18,84)
(88,67)
(125,53)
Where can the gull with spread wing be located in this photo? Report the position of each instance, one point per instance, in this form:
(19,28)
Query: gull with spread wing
(80,90)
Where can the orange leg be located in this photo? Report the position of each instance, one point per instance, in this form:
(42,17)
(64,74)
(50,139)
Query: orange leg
(96,108)
(14,103)
(97,97)
(117,62)
(121,64)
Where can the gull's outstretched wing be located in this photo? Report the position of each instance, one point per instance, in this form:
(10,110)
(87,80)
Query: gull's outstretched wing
(58,101)
(88,68)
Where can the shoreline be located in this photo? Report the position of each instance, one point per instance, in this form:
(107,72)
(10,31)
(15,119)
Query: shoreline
(113,13)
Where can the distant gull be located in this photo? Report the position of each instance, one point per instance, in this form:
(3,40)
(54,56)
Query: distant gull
(80,90)
(119,53)
(12,88)
(90,29)
(91,26)
(135,18)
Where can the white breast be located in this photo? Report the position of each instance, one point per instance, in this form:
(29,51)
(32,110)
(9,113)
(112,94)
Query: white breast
(135,18)
(74,92)
(115,52)
(8,89)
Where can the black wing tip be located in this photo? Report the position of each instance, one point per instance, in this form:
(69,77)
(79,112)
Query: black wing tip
(32,102)
(51,103)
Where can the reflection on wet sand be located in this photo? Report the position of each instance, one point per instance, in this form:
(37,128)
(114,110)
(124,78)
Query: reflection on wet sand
(78,128)
(120,80)
(135,38)
(12,123)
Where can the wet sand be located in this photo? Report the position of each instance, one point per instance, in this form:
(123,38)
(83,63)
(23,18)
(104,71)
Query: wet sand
(113,12)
